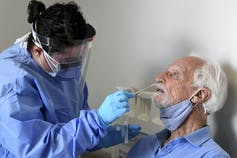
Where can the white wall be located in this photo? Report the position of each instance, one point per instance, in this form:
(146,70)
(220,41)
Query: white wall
(137,39)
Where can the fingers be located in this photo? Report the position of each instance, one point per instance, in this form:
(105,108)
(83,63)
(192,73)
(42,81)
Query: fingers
(129,95)
(123,103)
(125,109)
(123,98)
(134,130)
(114,106)
(134,127)
(125,95)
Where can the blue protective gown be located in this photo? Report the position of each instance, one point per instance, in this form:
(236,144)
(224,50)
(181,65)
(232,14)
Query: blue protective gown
(42,116)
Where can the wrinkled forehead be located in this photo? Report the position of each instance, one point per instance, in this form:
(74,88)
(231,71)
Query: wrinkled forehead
(186,64)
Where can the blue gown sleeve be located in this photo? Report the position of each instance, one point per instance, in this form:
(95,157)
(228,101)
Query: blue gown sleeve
(25,133)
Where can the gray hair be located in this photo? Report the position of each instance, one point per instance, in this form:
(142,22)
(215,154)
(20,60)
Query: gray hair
(211,76)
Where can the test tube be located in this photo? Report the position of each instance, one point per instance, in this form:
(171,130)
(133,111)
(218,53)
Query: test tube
(126,126)
(126,117)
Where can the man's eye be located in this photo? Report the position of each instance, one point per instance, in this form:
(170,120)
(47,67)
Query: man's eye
(174,74)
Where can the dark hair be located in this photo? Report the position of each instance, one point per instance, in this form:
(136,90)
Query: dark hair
(61,21)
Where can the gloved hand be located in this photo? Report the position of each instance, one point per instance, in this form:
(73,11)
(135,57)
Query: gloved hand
(116,134)
(114,106)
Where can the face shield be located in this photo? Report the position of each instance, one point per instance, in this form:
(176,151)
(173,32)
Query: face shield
(67,58)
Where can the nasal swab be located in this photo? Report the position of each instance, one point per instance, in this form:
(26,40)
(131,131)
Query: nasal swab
(141,90)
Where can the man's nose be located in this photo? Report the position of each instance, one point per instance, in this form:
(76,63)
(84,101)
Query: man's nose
(160,78)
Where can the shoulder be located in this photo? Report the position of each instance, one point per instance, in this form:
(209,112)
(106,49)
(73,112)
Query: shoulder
(147,140)
(13,71)
(144,147)
(10,51)
(214,150)
(14,59)
(10,57)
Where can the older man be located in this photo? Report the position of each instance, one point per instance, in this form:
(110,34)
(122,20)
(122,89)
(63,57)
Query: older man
(187,93)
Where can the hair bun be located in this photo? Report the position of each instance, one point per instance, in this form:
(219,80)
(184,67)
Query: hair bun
(35,8)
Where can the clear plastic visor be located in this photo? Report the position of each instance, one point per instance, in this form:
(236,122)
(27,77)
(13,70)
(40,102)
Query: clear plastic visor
(67,53)
(71,56)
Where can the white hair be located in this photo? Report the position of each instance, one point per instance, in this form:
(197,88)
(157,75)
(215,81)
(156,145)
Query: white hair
(211,76)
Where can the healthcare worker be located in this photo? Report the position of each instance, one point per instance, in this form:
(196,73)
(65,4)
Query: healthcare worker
(43,95)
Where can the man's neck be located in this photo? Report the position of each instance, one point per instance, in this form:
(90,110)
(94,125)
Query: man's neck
(192,123)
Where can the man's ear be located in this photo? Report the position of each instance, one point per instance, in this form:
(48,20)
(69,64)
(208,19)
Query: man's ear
(202,96)
(36,51)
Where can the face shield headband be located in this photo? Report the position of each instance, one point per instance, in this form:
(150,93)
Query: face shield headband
(71,54)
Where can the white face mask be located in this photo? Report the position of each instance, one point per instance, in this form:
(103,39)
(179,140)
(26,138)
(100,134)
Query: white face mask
(53,64)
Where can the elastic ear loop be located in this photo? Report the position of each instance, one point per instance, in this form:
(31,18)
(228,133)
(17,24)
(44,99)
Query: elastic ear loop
(205,111)
(53,64)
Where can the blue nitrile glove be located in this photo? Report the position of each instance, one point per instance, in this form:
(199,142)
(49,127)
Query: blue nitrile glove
(114,106)
(115,135)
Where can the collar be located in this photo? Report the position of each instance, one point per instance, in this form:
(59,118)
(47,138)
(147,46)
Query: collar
(196,138)
(162,136)
(23,39)
(199,136)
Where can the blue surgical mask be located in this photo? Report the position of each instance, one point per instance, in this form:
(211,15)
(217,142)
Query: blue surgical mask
(173,116)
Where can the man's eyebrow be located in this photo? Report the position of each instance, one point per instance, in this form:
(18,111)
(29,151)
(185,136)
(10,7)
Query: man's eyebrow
(178,68)
(174,67)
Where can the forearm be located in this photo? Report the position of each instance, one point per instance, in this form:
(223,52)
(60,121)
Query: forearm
(37,138)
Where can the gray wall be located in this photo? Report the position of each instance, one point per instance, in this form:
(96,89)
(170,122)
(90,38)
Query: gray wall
(137,39)
(13,16)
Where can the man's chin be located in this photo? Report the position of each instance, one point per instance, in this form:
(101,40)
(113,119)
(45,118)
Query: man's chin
(160,101)
(159,104)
